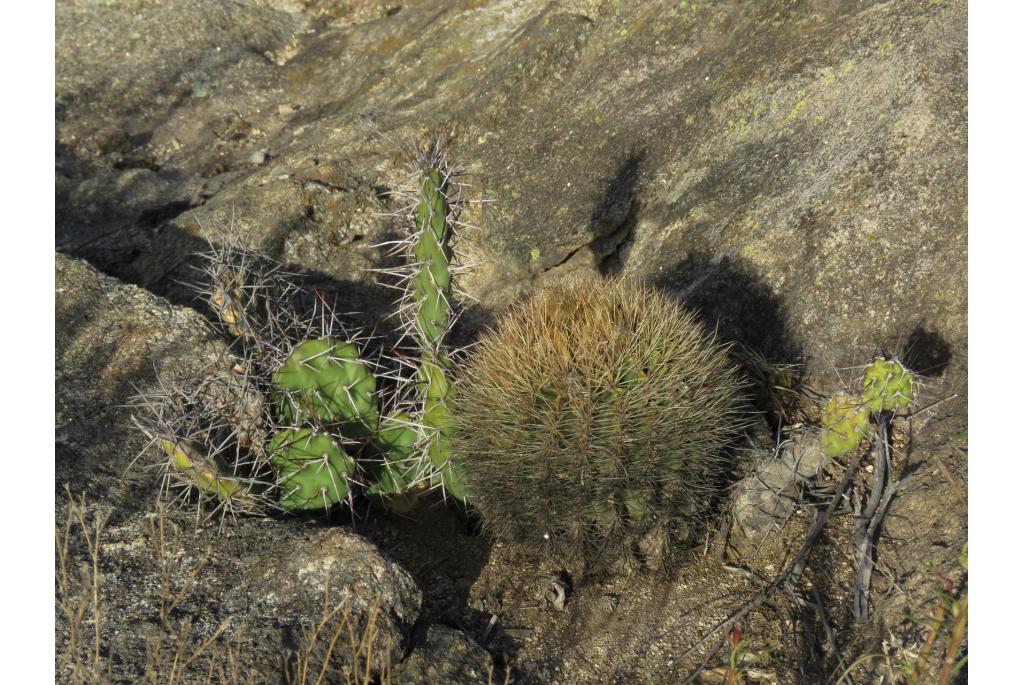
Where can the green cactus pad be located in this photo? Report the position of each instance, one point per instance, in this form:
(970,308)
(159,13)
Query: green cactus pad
(324,381)
(312,469)
(844,424)
(887,386)
(397,435)
(396,441)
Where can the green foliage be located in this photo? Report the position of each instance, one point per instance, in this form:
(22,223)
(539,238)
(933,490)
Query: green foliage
(845,422)
(313,470)
(595,417)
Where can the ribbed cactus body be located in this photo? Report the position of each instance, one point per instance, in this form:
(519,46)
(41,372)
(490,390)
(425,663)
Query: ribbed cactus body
(592,423)
(429,313)
(431,286)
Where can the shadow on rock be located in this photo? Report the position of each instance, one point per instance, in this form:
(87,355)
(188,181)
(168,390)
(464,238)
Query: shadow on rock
(730,298)
(925,352)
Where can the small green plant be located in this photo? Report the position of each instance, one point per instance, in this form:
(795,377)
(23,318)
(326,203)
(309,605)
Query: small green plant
(740,658)
(949,626)
(591,422)
(313,430)
(844,423)
(887,387)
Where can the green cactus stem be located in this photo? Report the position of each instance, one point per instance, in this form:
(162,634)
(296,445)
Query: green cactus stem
(432,255)
(313,471)
(324,381)
(397,469)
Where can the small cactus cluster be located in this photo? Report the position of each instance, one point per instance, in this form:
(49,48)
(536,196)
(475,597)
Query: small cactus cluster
(593,421)
(887,387)
(325,424)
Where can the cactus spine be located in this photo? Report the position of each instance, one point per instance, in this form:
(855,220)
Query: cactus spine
(592,423)
(318,436)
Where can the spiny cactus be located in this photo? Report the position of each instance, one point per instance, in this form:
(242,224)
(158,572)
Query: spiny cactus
(396,471)
(887,386)
(844,424)
(427,307)
(316,388)
(592,422)
(313,470)
(254,300)
(209,430)
(324,381)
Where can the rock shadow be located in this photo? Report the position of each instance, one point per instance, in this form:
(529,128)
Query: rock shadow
(613,219)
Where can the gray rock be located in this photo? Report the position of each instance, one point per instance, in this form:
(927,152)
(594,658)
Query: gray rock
(265,580)
(767,497)
(112,340)
(798,176)
(795,173)
(447,656)
(331,569)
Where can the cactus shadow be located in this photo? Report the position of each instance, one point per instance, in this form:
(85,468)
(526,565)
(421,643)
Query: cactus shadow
(925,352)
(730,298)
(613,219)
(441,547)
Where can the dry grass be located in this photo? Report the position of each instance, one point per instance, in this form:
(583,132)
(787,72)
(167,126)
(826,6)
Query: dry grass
(174,653)
(78,596)
(312,663)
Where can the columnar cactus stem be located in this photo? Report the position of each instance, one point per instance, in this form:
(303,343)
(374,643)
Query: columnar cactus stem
(429,311)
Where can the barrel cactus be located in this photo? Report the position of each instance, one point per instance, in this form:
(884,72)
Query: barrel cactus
(593,422)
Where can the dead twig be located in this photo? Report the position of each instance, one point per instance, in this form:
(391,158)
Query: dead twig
(869,520)
(787,576)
